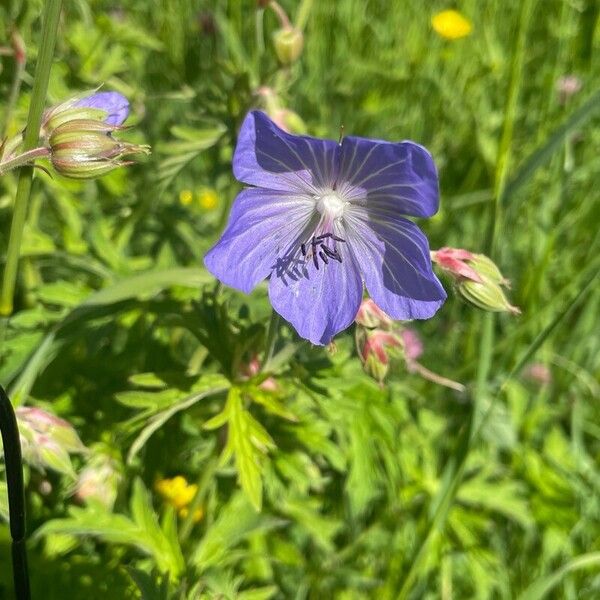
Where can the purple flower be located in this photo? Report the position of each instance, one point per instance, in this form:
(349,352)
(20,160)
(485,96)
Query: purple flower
(114,104)
(321,219)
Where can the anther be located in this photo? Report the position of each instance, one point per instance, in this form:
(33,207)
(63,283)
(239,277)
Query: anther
(331,253)
(303,249)
(324,257)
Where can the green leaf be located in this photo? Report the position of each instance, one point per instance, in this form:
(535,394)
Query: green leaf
(236,520)
(247,442)
(208,385)
(542,586)
(142,531)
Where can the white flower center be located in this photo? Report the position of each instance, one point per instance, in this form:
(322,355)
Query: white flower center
(331,205)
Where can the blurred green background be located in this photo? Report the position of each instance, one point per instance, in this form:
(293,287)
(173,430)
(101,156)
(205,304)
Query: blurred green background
(366,491)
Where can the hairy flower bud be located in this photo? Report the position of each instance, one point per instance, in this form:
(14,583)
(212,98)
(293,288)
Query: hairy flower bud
(374,350)
(371,316)
(86,148)
(47,440)
(477,278)
(288,43)
(487,295)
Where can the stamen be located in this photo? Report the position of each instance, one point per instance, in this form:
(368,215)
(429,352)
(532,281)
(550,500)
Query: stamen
(320,249)
(328,235)
(331,253)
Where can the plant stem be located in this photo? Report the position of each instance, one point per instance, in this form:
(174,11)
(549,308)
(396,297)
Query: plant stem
(303,13)
(271,339)
(16,495)
(19,54)
(23,159)
(38,98)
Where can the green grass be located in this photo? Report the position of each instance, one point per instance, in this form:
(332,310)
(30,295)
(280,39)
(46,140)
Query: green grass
(407,490)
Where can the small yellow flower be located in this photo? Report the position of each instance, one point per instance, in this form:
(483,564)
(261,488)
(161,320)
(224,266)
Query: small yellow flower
(208,198)
(177,491)
(450,24)
(186,197)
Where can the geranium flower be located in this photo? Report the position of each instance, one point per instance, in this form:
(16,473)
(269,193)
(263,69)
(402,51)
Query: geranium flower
(114,104)
(321,219)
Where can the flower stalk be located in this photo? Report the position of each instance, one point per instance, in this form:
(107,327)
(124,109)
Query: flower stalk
(38,97)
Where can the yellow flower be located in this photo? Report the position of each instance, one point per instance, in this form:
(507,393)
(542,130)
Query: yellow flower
(186,197)
(208,198)
(177,491)
(450,24)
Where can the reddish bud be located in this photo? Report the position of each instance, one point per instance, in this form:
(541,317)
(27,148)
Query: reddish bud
(371,316)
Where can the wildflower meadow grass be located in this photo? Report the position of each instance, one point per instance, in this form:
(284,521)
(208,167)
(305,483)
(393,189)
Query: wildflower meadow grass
(300,299)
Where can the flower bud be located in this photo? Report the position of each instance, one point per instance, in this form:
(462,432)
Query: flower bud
(85,148)
(453,261)
(486,268)
(99,480)
(477,278)
(374,348)
(487,295)
(371,316)
(53,456)
(567,86)
(411,345)
(47,440)
(538,373)
(288,42)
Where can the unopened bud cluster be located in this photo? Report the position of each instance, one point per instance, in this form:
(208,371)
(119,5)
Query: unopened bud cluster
(379,339)
(477,278)
(80,135)
(85,148)
(47,441)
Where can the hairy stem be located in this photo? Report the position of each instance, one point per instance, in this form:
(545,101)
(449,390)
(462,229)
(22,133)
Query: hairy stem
(24,159)
(38,97)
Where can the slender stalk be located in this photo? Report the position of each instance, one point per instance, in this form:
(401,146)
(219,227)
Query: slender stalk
(271,339)
(19,54)
(16,495)
(24,159)
(38,98)
(303,13)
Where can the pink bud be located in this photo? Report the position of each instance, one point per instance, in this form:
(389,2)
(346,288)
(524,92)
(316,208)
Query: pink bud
(370,315)
(252,368)
(374,346)
(567,86)
(412,345)
(452,260)
(538,373)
